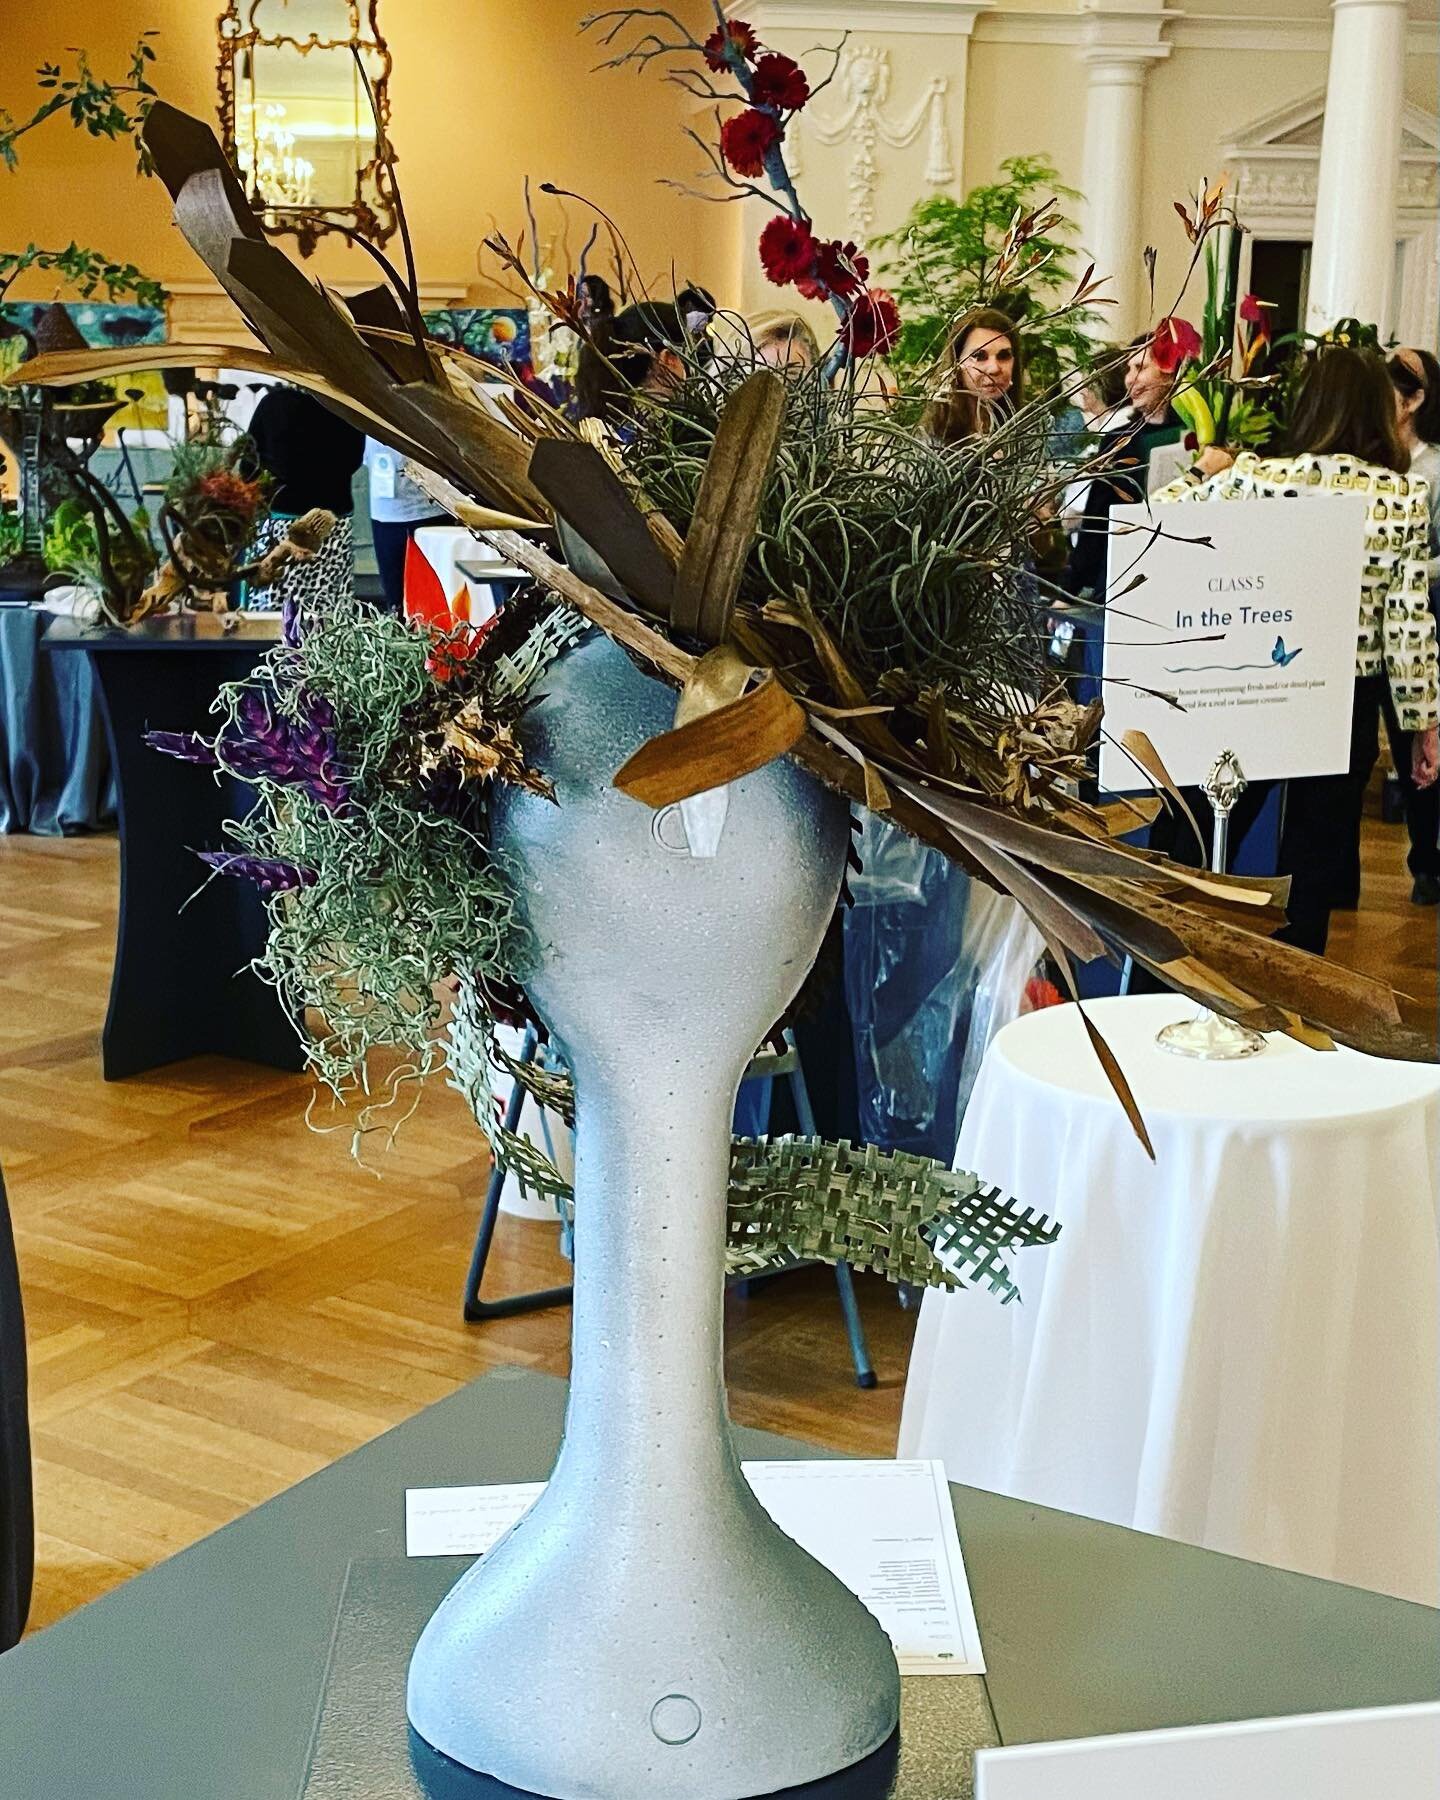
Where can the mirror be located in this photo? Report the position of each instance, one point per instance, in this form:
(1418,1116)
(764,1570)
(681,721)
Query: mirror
(295,118)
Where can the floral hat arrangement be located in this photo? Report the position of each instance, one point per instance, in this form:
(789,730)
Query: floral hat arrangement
(815,579)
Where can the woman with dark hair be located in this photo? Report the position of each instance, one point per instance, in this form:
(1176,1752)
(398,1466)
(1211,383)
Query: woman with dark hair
(1415,379)
(641,350)
(983,370)
(1344,440)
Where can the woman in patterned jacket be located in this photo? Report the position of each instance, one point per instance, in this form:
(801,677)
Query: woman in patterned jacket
(1344,440)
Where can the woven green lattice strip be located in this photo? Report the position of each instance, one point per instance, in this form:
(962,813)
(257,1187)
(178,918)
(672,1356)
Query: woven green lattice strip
(791,1199)
(902,1216)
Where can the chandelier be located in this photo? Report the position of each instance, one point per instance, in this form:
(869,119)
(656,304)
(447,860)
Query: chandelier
(266,154)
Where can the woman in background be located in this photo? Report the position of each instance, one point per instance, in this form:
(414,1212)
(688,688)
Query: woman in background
(311,456)
(784,340)
(642,350)
(983,377)
(1344,440)
(1415,378)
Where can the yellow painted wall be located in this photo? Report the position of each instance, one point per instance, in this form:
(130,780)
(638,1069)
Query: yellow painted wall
(484,93)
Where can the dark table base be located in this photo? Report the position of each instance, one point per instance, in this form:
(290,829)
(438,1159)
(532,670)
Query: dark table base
(182,985)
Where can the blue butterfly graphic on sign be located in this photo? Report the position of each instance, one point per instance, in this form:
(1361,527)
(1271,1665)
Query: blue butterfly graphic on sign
(1281,655)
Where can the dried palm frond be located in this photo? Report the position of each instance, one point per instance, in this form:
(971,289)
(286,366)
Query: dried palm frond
(876,583)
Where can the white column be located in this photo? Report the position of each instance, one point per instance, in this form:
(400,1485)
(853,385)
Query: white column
(1352,263)
(1121,41)
(1110,182)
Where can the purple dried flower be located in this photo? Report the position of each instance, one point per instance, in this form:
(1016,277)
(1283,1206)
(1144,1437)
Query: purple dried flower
(292,623)
(264,745)
(189,746)
(269,873)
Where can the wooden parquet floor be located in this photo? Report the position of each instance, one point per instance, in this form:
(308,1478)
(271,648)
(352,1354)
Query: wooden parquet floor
(220,1301)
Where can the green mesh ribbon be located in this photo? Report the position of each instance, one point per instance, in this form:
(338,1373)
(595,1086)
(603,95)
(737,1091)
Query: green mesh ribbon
(904,1217)
(792,1199)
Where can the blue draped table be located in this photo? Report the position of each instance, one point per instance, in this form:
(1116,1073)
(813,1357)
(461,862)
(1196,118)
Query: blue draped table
(56,777)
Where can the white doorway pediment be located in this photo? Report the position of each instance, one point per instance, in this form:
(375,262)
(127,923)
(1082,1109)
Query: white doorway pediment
(1275,162)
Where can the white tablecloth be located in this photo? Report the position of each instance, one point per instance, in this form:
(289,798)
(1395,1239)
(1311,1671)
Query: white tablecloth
(1237,1345)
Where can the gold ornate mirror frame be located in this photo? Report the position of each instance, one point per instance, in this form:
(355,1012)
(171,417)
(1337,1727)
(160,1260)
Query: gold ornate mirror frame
(371,213)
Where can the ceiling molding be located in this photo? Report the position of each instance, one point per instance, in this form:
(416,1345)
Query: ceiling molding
(883,18)
(1188,30)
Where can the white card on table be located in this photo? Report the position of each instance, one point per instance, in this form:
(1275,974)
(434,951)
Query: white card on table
(1389,1751)
(1252,633)
(886,1529)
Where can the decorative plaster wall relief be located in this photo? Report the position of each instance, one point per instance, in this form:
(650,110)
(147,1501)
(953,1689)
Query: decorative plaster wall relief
(864,123)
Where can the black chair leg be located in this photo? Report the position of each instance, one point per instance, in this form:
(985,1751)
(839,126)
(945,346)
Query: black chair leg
(17,1501)
(475,1307)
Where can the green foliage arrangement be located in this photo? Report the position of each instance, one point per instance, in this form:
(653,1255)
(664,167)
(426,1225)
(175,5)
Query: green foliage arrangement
(911,554)
(367,837)
(103,109)
(943,261)
(71,546)
(68,540)
(87,271)
(111,109)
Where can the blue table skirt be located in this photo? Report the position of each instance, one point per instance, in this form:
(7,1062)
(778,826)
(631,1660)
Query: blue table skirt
(55,773)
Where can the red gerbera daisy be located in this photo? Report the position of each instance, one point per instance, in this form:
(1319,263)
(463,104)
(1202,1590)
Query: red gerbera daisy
(872,324)
(745,140)
(779,81)
(787,249)
(1175,341)
(839,269)
(736,36)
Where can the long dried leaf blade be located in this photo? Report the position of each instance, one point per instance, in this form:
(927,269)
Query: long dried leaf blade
(1116,1076)
(587,493)
(1144,752)
(1066,852)
(727,506)
(719,746)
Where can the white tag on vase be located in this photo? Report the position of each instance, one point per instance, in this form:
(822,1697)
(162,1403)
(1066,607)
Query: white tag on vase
(704,816)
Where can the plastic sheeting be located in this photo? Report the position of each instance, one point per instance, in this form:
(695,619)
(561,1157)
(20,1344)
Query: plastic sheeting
(935,965)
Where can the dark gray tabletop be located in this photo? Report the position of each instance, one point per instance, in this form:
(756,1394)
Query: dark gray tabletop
(200,1679)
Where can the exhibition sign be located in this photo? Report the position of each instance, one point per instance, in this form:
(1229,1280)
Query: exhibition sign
(1232,627)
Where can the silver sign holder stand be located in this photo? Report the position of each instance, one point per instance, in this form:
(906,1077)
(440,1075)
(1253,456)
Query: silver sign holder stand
(1209,1036)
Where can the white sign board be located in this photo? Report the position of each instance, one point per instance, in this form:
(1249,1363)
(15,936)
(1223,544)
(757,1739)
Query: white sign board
(1247,617)
(1389,1752)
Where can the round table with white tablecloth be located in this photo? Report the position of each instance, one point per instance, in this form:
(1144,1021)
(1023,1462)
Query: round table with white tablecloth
(1236,1345)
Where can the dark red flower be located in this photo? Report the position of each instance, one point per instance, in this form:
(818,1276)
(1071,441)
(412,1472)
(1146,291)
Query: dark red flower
(736,36)
(779,81)
(871,325)
(1175,341)
(787,249)
(747,138)
(1255,311)
(839,269)
(230,492)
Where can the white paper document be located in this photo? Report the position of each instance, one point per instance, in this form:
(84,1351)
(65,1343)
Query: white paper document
(1388,1752)
(886,1529)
